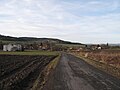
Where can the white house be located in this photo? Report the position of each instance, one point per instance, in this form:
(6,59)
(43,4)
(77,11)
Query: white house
(99,48)
(11,47)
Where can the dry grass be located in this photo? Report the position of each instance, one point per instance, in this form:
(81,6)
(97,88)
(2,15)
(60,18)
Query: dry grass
(106,60)
(45,74)
(109,57)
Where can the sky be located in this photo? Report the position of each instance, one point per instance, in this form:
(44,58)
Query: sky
(84,21)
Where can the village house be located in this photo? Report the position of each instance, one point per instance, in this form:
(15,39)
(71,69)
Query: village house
(44,46)
(11,47)
(96,47)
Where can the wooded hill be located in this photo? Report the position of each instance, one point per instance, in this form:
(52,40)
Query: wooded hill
(34,39)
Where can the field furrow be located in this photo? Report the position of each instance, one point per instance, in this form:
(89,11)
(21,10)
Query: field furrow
(23,76)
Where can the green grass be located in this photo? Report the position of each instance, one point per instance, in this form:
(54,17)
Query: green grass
(29,53)
(71,45)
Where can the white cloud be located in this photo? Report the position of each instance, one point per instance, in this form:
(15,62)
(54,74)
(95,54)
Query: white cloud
(60,19)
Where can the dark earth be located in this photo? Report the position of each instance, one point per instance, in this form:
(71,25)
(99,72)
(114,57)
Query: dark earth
(73,73)
(20,72)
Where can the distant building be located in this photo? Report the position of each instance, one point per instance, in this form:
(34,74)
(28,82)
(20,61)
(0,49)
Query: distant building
(11,47)
(94,47)
(99,48)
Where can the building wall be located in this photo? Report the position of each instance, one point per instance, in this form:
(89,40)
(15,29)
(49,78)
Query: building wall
(12,47)
(9,48)
(4,47)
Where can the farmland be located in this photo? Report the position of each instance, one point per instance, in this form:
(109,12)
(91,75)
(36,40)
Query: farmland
(20,70)
(46,70)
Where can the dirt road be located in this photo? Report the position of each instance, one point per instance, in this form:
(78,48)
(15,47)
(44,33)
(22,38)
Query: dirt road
(73,73)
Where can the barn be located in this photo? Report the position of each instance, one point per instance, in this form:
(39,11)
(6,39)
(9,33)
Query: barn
(11,47)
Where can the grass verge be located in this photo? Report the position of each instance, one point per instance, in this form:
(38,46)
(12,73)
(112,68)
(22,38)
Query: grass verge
(102,66)
(38,85)
(29,53)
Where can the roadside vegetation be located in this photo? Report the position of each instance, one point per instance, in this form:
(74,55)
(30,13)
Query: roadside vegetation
(46,73)
(32,52)
(107,60)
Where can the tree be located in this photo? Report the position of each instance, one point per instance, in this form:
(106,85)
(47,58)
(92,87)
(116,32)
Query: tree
(107,44)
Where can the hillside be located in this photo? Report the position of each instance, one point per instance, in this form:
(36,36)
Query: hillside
(33,39)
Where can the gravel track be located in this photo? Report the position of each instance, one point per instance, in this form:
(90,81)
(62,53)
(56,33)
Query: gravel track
(73,73)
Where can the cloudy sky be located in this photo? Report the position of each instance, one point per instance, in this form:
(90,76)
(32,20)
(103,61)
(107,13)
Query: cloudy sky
(86,21)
